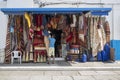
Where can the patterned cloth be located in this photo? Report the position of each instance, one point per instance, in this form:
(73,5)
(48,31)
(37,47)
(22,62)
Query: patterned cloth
(7,48)
(94,37)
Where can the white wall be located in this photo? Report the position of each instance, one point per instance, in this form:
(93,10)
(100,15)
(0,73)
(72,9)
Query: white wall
(3,29)
(3,26)
(20,3)
(116,22)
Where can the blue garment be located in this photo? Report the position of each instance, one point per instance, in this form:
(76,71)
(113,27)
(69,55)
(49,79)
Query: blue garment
(52,42)
(45,32)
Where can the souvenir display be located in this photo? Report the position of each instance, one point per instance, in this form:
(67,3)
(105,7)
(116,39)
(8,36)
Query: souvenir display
(74,33)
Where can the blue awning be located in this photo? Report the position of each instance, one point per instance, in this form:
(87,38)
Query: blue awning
(94,11)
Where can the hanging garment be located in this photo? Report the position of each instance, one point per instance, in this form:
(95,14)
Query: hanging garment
(107,31)
(69,37)
(85,25)
(88,33)
(7,47)
(53,23)
(68,20)
(39,20)
(95,39)
(74,21)
(44,20)
(81,22)
(81,35)
(74,36)
(34,19)
(103,36)
(21,39)
(91,32)
(27,17)
(101,40)
(81,28)
(62,22)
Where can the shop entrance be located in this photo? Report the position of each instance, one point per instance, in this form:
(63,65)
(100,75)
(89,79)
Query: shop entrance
(75,34)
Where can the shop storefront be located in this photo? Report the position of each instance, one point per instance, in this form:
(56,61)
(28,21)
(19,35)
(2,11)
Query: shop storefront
(78,32)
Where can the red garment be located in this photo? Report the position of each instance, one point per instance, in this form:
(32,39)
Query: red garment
(39,32)
(39,20)
(69,38)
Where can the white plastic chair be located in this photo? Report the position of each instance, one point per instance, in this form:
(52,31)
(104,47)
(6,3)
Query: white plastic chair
(16,54)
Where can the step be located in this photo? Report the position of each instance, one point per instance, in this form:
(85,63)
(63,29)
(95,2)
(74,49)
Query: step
(56,68)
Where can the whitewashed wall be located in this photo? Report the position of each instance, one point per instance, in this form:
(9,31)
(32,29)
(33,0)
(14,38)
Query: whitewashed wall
(19,3)
(3,24)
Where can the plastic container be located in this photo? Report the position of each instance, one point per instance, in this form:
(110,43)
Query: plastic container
(104,56)
(99,56)
(107,51)
(84,57)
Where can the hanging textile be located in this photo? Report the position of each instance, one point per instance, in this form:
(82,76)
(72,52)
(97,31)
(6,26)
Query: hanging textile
(12,34)
(27,17)
(74,21)
(81,26)
(7,47)
(39,20)
(88,33)
(68,20)
(81,22)
(44,20)
(94,38)
(107,31)
(101,34)
(85,26)
(62,22)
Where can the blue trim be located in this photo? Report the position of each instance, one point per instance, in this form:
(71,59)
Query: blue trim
(95,11)
(116,44)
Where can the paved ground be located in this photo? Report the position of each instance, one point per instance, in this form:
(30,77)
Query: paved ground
(59,75)
(63,71)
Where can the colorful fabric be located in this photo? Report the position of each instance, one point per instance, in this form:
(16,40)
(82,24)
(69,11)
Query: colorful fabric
(7,47)
(69,38)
